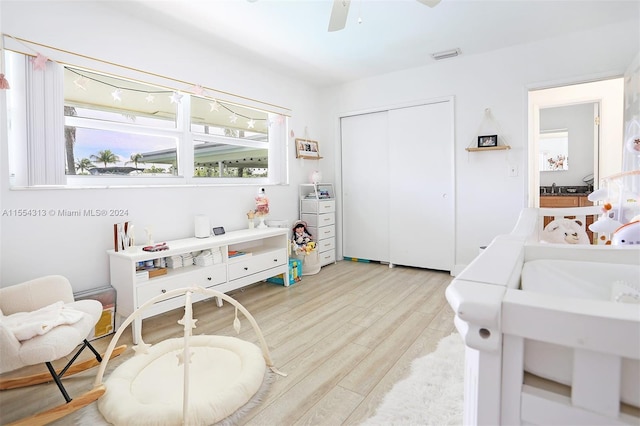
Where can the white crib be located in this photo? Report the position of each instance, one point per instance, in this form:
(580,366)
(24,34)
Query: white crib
(583,351)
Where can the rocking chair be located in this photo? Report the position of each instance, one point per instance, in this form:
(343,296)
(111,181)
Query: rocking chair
(41,334)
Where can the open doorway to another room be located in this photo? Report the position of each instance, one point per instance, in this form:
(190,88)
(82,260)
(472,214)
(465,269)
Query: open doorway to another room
(575,137)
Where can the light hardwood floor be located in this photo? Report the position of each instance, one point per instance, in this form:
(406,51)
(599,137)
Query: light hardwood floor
(343,336)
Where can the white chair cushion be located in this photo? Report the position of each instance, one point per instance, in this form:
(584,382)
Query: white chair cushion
(57,343)
(27,325)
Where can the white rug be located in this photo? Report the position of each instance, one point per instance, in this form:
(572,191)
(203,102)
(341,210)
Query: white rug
(432,394)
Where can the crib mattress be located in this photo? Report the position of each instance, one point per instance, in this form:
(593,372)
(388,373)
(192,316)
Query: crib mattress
(576,279)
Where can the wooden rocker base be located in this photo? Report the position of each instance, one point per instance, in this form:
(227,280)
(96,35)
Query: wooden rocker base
(45,377)
(62,410)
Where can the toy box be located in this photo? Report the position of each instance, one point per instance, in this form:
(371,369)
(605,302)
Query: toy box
(107,296)
(295,273)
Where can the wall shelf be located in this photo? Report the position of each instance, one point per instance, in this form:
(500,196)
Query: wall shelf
(489,148)
(495,129)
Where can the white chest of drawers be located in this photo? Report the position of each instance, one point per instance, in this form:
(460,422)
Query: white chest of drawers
(266,256)
(318,209)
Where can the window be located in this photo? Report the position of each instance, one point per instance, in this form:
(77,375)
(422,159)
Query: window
(229,140)
(111,127)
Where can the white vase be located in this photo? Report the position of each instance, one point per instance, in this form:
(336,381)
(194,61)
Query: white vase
(261,225)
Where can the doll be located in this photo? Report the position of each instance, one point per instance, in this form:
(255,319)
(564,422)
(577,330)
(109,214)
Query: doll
(301,236)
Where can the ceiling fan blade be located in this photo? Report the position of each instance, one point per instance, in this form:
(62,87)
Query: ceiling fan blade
(430,3)
(339,14)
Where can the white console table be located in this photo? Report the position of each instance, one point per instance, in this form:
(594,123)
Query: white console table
(266,256)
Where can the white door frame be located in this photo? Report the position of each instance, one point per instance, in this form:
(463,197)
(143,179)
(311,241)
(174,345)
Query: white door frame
(609,94)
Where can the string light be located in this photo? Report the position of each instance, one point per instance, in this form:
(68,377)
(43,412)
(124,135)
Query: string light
(116,95)
(198,90)
(81,83)
(175,97)
(39,62)
(43,59)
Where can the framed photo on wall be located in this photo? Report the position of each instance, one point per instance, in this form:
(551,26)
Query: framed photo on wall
(306,148)
(487,141)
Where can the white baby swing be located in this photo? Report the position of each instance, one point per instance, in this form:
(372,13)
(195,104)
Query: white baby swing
(193,380)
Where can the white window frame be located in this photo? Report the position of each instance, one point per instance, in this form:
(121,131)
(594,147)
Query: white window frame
(276,148)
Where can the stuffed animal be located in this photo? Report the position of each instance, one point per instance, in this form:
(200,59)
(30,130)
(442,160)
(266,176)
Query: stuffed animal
(565,231)
(627,234)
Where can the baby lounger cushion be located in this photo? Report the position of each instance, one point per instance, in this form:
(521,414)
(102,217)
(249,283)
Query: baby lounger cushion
(225,373)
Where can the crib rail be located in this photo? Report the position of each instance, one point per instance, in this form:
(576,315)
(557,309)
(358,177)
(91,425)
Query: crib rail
(594,325)
(498,321)
(592,329)
(542,407)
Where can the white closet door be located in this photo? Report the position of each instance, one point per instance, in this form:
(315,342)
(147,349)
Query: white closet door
(365,187)
(421,174)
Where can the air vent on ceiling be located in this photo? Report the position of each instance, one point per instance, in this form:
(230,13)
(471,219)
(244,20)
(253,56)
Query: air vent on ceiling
(446,54)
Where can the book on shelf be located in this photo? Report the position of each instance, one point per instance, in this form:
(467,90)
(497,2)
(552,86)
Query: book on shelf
(321,196)
(236,253)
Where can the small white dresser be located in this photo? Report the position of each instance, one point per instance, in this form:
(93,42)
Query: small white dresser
(265,255)
(318,209)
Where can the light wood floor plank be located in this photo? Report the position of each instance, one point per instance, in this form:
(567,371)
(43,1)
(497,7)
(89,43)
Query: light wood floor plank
(333,409)
(384,354)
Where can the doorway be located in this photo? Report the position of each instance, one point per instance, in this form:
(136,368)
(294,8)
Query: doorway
(607,96)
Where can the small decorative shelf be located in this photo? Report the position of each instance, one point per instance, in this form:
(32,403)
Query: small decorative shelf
(494,128)
(489,148)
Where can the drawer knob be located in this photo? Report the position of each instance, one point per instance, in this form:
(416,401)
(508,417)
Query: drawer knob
(209,278)
(246,268)
(275,260)
(164,291)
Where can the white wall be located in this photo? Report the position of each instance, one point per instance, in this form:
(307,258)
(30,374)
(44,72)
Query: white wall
(76,246)
(488,200)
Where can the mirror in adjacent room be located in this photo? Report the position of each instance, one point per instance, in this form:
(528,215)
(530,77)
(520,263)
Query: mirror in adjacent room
(564,130)
(553,148)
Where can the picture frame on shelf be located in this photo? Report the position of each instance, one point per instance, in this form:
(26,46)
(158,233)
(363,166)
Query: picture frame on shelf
(306,148)
(487,141)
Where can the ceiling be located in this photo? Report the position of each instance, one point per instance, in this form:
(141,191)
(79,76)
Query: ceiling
(291,35)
